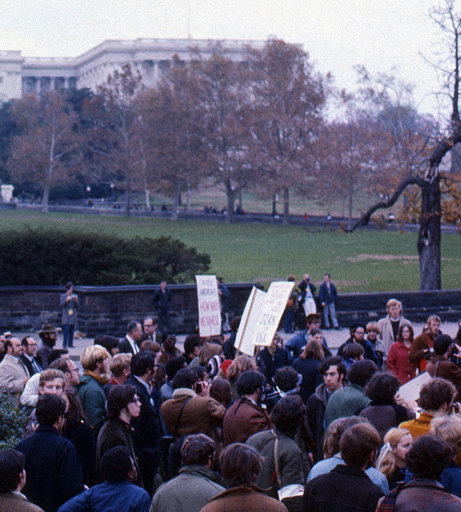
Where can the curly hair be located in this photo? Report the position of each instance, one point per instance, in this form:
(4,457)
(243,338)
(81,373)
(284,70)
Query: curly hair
(382,387)
(435,394)
(239,365)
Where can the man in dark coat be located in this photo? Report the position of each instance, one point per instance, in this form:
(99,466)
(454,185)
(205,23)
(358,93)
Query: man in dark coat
(347,487)
(29,349)
(130,343)
(54,473)
(147,426)
(162,303)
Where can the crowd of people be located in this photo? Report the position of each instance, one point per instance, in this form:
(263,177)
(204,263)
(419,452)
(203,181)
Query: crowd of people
(140,425)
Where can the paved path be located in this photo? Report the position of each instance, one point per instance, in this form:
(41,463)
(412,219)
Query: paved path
(334,338)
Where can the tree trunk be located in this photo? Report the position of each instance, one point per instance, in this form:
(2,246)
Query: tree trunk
(147,197)
(176,202)
(188,197)
(230,193)
(429,236)
(351,200)
(128,197)
(286,206)
(45,199)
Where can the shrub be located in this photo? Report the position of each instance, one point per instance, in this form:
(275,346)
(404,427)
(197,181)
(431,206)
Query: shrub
(12,424)
(44,257)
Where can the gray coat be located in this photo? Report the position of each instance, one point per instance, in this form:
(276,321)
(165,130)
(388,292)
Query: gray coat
(69,309)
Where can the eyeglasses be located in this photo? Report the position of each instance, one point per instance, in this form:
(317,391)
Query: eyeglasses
(360,332)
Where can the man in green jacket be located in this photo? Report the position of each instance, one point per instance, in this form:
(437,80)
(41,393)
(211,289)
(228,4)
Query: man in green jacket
(196,483)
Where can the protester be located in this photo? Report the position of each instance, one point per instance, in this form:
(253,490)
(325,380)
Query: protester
(436,399)
(440,365)
(122,406)
(333,372)
(327,297)
(117,493)
(49,336)
(390,325)
(69,304)
(13,372)
(392,459)
(196,483)
(12,480)
(272,358)
(240,466)
(346,486)
(426,460)
(423,344)
(308,364)
(357,333)
(52,464)
(282,471)
(346,401)
(398,361)
(246,416)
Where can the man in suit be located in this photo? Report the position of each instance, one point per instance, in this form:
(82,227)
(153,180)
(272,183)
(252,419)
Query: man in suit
(162,303)
(29,348)
(147,427)
(13,373)
(129,344)
(150,329)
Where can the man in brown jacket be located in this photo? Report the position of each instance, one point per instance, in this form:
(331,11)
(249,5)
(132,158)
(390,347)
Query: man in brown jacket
(440,365)
(240,466)
(191,411)
(424,343)
(246,417)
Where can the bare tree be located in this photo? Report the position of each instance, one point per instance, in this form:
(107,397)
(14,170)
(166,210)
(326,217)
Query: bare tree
(47,149)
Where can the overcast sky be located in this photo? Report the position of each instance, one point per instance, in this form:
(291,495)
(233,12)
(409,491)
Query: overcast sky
(337,34)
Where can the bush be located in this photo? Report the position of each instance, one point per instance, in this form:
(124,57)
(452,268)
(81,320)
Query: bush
(45,257)
(12,424)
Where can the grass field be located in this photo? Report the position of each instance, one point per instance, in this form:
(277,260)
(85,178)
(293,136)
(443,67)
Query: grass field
(361,261)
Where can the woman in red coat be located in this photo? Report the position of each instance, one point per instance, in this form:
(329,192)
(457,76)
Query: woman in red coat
(397,358)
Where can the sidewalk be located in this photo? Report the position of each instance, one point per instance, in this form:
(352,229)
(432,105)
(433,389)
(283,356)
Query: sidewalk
(334,338)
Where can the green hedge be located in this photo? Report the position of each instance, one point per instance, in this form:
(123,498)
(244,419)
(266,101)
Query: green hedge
(49,257)
(13,423)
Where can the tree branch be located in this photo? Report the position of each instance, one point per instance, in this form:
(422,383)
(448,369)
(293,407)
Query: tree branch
(365,218)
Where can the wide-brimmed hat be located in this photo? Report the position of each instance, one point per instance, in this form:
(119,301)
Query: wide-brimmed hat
(49,328)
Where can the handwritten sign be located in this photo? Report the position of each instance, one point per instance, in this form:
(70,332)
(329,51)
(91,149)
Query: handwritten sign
(272,311)
(209,309)
(247,329)
(409,392)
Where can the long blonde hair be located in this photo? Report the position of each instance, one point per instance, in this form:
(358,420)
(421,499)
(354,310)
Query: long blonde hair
(386,460)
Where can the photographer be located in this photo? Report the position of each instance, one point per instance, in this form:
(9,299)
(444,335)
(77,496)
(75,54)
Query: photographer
(440,365)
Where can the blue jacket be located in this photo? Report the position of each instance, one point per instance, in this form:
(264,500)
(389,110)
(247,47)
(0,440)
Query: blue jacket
(326,297)
(119,496)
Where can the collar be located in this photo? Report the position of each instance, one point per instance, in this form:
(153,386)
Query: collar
(184,392)
(101,380)
(133,343)
(143,383)
(30,358)
(11,358)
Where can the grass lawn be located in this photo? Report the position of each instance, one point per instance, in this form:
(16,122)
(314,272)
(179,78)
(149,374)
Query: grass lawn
(361,261)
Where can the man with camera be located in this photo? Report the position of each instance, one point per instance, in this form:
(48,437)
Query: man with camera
(439,364)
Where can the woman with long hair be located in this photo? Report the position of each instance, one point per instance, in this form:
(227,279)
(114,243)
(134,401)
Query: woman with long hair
(397,358)
(122,406)
(307,365)
(391,461)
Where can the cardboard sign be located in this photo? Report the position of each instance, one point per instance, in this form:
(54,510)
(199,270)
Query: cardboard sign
(244,341)
(410,391)
(209,308)
(272,311)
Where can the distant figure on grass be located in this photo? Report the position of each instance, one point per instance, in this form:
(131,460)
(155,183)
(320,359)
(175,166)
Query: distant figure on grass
(327,296)
(162,303)
(69,304)
(306,297)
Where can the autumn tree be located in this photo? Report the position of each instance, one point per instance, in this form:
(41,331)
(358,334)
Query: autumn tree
(116,136)
(174,126)
(46,151)
(286,114)
(224,97)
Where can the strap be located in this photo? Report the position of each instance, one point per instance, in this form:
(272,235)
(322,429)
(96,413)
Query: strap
(276,459)
(436,366)
(179,416)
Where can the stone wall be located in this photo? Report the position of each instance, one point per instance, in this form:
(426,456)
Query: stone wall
(105,309)
(108,309)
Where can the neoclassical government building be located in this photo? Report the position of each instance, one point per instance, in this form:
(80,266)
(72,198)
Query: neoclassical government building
(26,75)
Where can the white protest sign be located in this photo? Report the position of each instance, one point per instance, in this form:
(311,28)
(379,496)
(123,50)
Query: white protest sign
(272,311)
(209,309)
(409,392)
(247,329)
